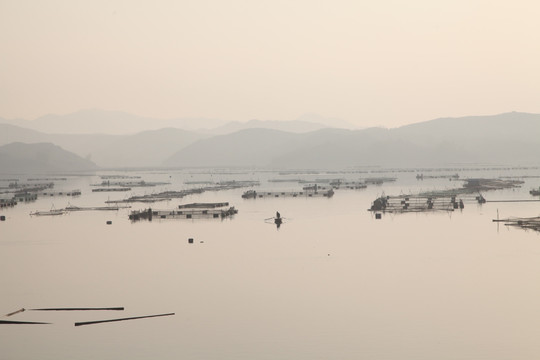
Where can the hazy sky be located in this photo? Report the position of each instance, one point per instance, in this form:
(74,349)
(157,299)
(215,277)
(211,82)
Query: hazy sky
(369,62)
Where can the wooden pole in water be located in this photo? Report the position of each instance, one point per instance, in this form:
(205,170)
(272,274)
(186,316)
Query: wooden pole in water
(77,309)
(122,319)
(21,322)
(16,312)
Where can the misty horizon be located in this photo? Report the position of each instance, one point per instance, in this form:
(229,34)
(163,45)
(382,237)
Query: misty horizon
(199,122)
(370,64)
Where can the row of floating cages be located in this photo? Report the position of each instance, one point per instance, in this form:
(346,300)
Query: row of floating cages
(415,204)
(7,203)
(251,194)
(61,193)
(149,214)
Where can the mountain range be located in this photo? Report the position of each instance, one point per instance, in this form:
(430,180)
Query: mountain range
(96,121)
(40,158)
(510,138)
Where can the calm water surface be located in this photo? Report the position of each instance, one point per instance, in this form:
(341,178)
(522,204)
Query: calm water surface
(331,283)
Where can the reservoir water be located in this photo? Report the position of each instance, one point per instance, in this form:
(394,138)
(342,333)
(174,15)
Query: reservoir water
(332,282)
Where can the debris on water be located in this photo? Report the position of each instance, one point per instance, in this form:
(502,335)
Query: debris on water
(118,308)
(23,322)
(16,312)
(121,319)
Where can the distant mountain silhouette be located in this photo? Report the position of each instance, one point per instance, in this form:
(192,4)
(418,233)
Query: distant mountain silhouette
(327,122)
(11,133)
(148,148)
(512,138)
(294,126)
(95,121)
(40,158)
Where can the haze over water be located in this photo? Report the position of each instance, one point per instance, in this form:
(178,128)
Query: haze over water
(332,283)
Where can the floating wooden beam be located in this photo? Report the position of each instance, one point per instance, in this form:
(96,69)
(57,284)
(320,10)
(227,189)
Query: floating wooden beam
(122,319)
(16,312)
(77,309)
(21,322)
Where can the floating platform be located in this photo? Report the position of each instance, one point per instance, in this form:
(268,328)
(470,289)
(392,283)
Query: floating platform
(162,196)
(316,188)
(203,205)
(490,184)
(379,180)
(472,186)
(95,208)
(141,183)
(169,195)
(113,189)
(350,185)
(286,180)
(532,223)
(108,177)
(49,213)
(149,214)
(252,194)
(47,179)
(451,177)
(410,203)
(61,193)
(25,196)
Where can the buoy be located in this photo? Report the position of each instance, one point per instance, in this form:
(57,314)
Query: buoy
(190,240)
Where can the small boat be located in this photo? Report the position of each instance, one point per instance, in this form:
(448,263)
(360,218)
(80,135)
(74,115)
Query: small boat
(277,220)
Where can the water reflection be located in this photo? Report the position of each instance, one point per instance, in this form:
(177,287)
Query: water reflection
(410,285)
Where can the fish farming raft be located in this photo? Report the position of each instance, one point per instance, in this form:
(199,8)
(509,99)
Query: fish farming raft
(183,213)
(252,194)
(532,223)
(410,203)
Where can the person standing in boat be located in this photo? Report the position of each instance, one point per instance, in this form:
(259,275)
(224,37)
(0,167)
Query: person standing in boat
(278,216)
